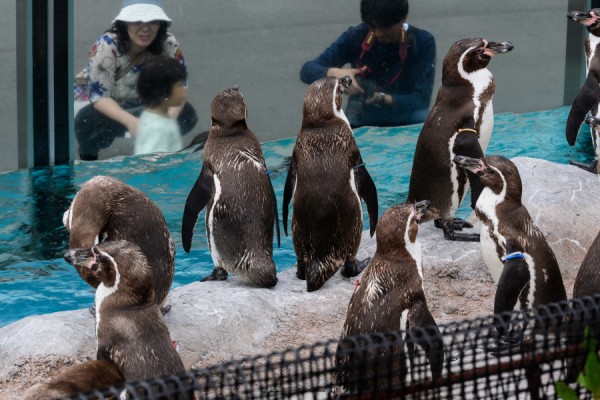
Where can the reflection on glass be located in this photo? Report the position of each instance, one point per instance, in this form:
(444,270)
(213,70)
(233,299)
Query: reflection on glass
(392,66)
(109,82)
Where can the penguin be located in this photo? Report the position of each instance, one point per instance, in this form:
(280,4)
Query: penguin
(460,123)
(588,97)
(327,178)
(594,167)
(107,209)
(130,330)
(235,186)
(515,251)
(79,378)
(587,283)
(390,295)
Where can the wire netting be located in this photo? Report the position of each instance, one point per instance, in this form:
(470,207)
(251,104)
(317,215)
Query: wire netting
(519,355)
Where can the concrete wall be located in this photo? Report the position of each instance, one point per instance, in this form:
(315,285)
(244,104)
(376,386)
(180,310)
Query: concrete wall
(8,87)
(260,45)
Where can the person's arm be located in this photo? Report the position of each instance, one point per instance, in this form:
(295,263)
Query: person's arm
(102,73)
(346,49)
(109,107)
(422,76)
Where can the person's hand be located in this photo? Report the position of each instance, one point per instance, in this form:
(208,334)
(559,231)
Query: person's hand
(379,98)
(352,72)
(132,125)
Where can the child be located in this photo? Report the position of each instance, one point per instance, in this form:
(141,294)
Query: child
(161,85)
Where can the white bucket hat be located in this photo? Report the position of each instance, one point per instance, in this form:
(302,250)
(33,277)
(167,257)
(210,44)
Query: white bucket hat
(142,11)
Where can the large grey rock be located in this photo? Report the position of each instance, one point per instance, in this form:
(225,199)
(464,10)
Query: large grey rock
(219,321)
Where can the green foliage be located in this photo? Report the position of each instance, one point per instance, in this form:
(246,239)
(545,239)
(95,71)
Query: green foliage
(589,378)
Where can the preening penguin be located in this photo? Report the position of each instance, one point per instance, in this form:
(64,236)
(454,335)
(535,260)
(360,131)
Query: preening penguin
(588,97)
(460,123)
(235,186)
(106,209)
(327,178)
(130,331)
(390,296)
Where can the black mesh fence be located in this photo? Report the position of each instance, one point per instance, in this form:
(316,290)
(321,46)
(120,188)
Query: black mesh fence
(510,356)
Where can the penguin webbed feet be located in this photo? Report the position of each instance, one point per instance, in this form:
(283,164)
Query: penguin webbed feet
(218,274)
(587,167)
(506,343)
(449,227)
(354,268)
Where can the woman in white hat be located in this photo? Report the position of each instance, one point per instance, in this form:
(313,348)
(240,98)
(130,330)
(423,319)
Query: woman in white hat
(138,33)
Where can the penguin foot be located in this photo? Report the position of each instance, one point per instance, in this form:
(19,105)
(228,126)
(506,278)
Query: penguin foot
(457,224)
(354,268)
(92,310)
(165,309)
(506,344)
(588,167)
(218,274)
(449,229)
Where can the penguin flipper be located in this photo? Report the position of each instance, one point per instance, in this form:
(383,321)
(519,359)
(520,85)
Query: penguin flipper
(367,191)
(198,198)
(467,144)
(587,98)
(276,214)
(514,278)
(423,328)
(288,192)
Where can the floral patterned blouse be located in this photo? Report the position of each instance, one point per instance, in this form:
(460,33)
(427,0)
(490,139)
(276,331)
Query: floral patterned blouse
(105,61)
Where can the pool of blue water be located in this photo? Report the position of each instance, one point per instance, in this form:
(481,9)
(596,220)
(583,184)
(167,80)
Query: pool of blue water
(34,279)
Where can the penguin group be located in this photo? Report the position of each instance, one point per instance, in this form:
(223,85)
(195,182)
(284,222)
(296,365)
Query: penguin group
(121,246)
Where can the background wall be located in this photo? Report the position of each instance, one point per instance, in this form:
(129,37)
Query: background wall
(260,45)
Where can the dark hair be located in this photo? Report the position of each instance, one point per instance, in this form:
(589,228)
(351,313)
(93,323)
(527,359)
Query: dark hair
(157,77)
(383,13)
(124,42)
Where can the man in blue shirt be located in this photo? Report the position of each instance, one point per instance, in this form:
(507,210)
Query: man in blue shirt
(392,66)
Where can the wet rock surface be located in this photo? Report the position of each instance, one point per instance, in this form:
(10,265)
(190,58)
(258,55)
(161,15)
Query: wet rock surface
(215,322)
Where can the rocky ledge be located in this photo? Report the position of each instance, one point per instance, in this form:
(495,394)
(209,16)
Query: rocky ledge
(219,321)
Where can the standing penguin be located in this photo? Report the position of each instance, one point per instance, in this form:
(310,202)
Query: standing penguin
(327,178)
(587,281)
(588,97)
(508,233)
(242,208)
(390,296)
(107,209)
(460,123)
(130,331)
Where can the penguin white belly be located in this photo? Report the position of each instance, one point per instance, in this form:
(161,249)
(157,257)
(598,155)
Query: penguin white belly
(486,127)
(490,255)
(214,252)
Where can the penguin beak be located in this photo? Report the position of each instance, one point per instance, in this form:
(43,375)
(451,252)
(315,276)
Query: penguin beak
(494,48)
(586,19)
(593,122)
(475,165)
(346,81)
(422,207)
(79,257)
